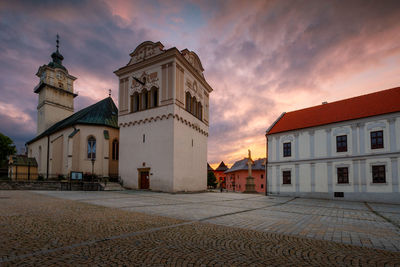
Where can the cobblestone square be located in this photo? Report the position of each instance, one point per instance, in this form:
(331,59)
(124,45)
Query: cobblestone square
(150,228)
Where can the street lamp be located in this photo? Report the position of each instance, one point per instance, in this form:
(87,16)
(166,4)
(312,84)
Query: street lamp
(93,160)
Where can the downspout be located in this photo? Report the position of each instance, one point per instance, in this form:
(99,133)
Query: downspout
(48,157)
(266,166)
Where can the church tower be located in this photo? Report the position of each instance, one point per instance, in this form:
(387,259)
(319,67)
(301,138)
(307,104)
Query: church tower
(56,92)
(163,120)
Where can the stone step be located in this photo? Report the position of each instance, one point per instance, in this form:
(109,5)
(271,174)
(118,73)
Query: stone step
(112,187)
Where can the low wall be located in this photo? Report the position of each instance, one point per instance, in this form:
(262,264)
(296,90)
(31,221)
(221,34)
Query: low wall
(50,185)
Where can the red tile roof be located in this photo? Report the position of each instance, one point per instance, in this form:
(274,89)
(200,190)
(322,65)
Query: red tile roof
(378,103)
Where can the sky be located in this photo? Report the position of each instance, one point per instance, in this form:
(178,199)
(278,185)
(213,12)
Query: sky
(261,58)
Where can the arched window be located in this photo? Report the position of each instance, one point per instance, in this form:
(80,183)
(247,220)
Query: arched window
(154,97)
(132,105)
(200,112)
(188,101)
(145,99)
(135,102)
(115,149)
(194,106)
(91,148)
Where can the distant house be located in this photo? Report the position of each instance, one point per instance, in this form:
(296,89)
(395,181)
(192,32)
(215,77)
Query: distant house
(236,175)
(347,149)
(209,168)
(20,167)
(219,173)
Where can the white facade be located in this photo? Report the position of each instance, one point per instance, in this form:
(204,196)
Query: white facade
(66,150)
(314,161)
(162,139)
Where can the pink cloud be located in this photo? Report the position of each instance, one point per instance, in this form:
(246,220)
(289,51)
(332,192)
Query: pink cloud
(261,57)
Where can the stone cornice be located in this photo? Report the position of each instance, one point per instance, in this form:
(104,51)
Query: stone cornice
(337,158)
(43,84)
(166,117)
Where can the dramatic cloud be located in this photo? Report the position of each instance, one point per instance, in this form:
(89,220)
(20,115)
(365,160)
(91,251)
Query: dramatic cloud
(261,57)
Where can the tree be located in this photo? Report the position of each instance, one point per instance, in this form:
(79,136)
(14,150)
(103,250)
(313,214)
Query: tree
(7,148)
(211,179)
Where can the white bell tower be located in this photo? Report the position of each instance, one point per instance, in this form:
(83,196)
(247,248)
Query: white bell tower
(56,92)
(163,120)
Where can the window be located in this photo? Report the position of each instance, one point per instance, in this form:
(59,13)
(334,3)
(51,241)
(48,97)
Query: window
(262,186)
(287,178)
(341,143)
(287,149)
(343,175)
(154,97)
(378,174)
(188,101)
(91,148)
(377,139)
(262,176)
(115,149)
(145,99)
(135,102)
(200,111)
(194,106)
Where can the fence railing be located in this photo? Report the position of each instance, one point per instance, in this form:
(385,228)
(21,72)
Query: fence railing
(85,177)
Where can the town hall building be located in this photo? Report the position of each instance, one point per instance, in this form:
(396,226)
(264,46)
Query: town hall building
(348,149)
(163,119)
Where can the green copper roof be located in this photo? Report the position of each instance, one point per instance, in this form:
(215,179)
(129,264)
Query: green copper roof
(102,113)
(57,58)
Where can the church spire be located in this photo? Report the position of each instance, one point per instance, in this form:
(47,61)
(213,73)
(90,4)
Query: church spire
(56,56)
(58,42)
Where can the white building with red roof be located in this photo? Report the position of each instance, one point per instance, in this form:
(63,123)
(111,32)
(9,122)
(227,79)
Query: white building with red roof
(348,149)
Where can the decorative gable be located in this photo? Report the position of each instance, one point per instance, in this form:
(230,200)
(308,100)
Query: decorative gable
(146,50)
(194,60)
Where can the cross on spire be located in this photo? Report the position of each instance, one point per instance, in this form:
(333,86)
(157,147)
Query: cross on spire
(58,42)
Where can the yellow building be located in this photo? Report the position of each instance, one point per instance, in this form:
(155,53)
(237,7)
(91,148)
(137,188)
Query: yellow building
(86,141)
(20,167)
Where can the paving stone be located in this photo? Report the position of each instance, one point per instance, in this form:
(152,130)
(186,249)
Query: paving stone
(96,228)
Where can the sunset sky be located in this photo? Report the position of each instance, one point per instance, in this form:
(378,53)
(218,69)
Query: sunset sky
(261,57)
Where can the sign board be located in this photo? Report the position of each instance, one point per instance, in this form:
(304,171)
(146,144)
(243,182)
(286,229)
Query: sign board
(76,175)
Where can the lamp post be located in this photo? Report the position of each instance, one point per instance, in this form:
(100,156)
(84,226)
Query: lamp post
(93,160)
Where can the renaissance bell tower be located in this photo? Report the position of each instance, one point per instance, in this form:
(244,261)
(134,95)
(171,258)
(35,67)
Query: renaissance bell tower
(56,92)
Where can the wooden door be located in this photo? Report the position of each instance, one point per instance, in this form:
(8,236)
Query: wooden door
(144,180)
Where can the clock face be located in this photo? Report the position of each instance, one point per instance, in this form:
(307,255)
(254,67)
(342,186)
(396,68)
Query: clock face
(60,75)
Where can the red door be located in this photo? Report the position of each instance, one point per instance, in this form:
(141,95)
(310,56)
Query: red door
(144,180)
